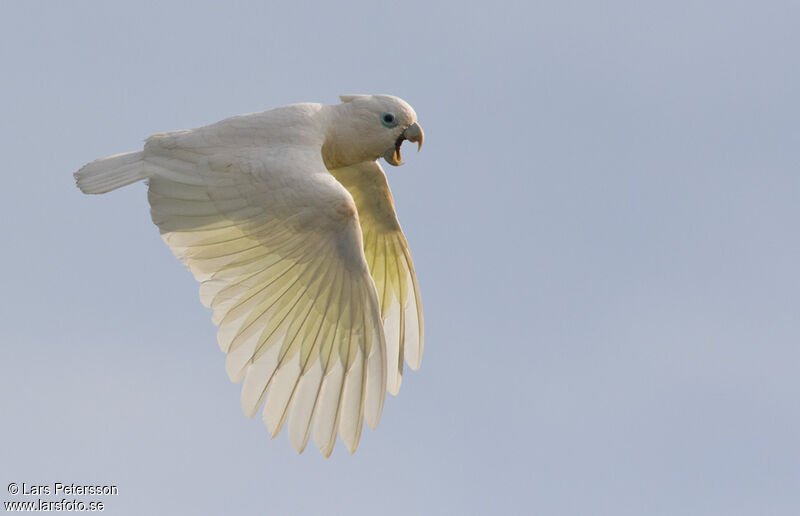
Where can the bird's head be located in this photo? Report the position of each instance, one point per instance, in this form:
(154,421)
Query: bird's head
(374,126)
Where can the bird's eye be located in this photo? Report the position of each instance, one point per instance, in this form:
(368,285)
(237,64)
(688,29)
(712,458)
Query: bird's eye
(388,120)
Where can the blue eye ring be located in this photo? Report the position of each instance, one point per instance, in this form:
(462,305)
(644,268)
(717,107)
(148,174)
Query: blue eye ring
(388,120)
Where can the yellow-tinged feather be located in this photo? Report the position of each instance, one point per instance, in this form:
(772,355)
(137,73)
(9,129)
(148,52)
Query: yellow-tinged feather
(297,312)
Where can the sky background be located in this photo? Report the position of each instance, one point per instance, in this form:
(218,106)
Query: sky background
(604,222)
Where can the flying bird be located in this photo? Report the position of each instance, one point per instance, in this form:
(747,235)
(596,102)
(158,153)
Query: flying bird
(286,220)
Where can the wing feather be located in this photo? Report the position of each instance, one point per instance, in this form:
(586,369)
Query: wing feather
(390,265)
(275,241)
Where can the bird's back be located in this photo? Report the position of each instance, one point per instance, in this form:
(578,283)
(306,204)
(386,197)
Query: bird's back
(296,124)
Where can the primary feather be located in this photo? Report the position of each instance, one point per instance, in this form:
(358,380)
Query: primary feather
(286,220)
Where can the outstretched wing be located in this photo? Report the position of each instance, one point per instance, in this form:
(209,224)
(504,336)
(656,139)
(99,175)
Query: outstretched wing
(390,264)
(276,243)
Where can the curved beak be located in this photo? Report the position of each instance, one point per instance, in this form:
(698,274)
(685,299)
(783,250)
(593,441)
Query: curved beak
(413,133)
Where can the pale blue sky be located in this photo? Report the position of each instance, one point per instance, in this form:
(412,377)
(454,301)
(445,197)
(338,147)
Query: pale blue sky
(604,221)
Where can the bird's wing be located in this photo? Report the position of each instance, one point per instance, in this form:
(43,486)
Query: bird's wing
(390,264)
(275,241)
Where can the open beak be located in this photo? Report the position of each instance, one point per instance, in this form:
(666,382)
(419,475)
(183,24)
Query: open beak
(413,133)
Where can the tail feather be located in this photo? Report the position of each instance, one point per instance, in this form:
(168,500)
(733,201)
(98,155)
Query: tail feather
(106,174)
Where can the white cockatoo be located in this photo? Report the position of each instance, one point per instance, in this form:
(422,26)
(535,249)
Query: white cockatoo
(286,220)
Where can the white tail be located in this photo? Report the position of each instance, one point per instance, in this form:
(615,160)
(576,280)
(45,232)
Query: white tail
(106,174)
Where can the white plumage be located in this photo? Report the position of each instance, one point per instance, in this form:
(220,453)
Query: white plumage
(286,220)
